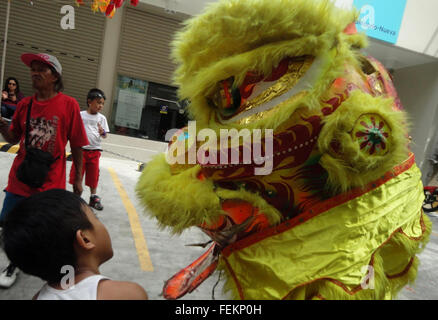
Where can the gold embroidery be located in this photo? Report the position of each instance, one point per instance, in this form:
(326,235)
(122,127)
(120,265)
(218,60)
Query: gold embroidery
(268,113)
(296,70)
(221,98)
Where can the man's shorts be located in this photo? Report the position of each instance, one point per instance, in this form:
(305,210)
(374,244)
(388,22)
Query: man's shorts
(90,167)
(10,201)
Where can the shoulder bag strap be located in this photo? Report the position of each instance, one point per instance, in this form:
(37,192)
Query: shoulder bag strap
(26,137)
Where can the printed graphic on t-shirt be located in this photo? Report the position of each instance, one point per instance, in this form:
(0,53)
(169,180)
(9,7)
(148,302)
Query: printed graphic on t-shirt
(43,131)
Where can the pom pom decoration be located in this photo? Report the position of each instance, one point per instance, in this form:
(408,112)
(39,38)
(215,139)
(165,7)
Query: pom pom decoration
(107,6)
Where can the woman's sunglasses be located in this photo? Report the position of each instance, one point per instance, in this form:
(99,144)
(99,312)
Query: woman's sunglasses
(12,84)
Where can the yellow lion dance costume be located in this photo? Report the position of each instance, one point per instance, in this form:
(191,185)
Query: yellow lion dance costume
(339,215)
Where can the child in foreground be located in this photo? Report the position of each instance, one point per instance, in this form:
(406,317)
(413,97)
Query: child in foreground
(54,235)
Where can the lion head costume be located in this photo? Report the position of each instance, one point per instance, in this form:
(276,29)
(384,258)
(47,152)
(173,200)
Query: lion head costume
(338,211)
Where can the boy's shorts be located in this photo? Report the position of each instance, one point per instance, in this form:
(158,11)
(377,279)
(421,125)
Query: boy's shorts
(90,167)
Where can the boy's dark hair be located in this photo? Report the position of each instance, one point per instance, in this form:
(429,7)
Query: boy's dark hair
(39,233)
(95,94)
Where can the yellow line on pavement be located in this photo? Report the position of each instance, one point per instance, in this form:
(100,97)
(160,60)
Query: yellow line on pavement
(137,232)
(14,148)
(11,148)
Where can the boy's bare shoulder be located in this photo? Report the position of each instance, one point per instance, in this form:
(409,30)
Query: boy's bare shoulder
(120,290)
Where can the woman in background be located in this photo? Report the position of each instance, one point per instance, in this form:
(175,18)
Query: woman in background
(11,95)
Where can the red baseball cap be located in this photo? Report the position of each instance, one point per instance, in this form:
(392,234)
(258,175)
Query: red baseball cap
(52,61)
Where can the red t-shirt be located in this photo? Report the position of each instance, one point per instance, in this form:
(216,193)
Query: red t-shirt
(52,124)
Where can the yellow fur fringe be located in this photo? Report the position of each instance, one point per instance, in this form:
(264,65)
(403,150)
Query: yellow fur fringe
(233,37)
(180,201)
(177,201)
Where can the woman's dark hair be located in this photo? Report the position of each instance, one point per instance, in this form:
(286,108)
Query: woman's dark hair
(39,233)
(59,84)
(95,94)
(6,88)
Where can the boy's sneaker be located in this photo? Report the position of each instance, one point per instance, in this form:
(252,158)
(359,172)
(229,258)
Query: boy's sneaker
(95,202)
(8,276)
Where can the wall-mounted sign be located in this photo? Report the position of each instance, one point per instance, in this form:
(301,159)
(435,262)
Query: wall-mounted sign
(131,98)
(380,19)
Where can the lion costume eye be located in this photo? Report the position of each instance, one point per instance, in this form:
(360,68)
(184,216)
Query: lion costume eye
(231,101)
(227,98)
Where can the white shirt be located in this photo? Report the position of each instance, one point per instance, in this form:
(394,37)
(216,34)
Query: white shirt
(90,124)
(85,289)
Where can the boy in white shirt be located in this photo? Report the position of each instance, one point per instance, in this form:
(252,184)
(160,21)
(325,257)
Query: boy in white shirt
(96,127)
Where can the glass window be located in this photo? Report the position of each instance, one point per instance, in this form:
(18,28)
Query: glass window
(146,109)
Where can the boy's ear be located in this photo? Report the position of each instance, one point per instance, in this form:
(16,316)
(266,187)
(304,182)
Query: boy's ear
(83,240)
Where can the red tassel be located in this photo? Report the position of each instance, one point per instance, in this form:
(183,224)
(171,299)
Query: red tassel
(134,2)
(118,3)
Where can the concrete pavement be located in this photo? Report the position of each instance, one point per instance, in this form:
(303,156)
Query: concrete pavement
(159,255)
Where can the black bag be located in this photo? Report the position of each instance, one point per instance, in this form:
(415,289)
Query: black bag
(36,164)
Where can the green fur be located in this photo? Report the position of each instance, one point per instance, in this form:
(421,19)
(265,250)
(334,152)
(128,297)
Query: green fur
(232,37)
(333,68)
(182,200)
(346,170)
(178,201)
(228,28)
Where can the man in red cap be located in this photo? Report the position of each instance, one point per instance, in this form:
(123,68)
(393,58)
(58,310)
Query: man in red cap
(54,119)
